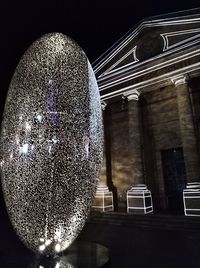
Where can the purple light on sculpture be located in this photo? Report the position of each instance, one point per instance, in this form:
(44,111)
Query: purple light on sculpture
(52,102)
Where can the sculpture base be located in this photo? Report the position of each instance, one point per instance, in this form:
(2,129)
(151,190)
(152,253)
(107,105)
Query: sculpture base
(103,200)
(79,254)
(139,200)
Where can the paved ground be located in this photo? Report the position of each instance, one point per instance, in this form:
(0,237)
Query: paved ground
(139,248)
(130,246)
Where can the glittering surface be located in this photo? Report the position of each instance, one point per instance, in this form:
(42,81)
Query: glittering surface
(51,143)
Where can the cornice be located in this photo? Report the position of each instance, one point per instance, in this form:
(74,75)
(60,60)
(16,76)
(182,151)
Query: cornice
(156,72)
(168,57)
(133,33)
(153,83)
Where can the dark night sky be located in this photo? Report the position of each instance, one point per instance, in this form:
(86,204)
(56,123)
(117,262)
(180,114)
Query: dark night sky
(94,25)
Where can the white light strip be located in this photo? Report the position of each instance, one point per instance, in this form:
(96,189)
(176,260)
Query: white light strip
(133,50)
(194,209)
(140,207)
(194,215)
(115,51)
(191,197)
(102,206)
(136,196)
(102,195)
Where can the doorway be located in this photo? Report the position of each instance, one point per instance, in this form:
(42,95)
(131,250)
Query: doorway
(174,178)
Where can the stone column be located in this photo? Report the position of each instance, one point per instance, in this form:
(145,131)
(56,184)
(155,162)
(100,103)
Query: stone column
(135,139)
(103,176)
(104,198)
(187,129)
(138,197)
(189,143)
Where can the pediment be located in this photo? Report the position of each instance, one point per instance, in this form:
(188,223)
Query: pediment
(152,38)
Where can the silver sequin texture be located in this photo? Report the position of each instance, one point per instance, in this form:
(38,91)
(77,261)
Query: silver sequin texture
(51,143)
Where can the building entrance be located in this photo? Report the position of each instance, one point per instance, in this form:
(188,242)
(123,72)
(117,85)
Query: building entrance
(174,178)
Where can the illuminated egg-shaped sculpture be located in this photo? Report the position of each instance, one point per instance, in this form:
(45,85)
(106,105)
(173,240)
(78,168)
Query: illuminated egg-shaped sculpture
(51,144)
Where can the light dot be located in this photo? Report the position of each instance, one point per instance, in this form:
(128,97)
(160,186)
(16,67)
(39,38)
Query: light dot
(28,127)
(39,118)
(47,242)
(42,247)
(24,148)
(57,265)
(57,247)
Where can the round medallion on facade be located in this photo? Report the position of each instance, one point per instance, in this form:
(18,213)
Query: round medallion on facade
(149,46)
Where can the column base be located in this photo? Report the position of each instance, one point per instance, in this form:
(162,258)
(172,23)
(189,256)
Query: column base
(139,200)
(191,199)
(103,200)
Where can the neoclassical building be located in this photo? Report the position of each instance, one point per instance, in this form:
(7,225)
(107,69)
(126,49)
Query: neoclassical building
(149,84)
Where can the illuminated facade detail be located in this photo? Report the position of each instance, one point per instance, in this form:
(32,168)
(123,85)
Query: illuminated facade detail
(130,57)
(153,70)
(103,105)
(179,80)
(132,95)
(139,200)
(191,199)
(153,138)
(51,144)
(104,197)
(175,39)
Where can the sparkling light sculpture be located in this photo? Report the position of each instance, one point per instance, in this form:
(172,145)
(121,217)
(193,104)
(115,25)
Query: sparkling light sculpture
(51,144)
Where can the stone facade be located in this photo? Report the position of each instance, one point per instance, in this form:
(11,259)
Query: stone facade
(166,116)
(159,130)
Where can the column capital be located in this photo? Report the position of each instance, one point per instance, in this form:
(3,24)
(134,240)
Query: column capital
(132,95)
(103,105)
(179,80)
